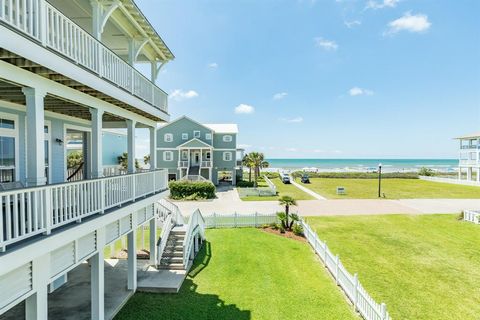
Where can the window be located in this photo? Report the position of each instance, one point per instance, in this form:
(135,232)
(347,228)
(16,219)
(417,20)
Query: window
(168,137)
(227,156)
(184,155)
(196,134)
(168,156)
(184,136)
(8,150)
(208,155)
(208,136)
(227,138)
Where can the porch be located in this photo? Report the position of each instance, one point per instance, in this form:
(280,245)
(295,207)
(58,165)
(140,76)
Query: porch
(195,162)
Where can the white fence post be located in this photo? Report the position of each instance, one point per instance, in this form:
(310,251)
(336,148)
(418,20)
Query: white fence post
(355,291)
(383,311)
(337,260)
(255,219)
(325,253)
(235,219)
(214,220)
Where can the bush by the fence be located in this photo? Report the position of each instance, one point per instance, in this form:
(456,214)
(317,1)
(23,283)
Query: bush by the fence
(357,175)
(191,189)
(245,184)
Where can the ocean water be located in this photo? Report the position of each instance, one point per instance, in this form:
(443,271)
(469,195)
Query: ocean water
(362,165)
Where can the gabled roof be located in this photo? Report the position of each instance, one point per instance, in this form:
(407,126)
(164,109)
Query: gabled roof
(215,127)
(223,127)
(194,143)
(470,136)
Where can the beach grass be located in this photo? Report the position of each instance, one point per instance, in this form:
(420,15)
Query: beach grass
(282,190)
(248,274)
(392,189)
(421,266)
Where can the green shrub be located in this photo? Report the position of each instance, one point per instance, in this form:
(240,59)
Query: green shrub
(426,172)
(274,225)
(281,228)
(271,175)
(357,175)
(297,229)
(245,184)
(191,190)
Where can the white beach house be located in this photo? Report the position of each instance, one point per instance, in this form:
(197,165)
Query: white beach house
(469,156)
(67,68)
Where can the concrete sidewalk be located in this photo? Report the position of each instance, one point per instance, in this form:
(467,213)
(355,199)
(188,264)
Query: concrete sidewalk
(306,190)
(228,202)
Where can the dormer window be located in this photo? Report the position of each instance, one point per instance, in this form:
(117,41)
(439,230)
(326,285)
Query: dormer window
(208,136)
(168,137)
(196,134)
(227,138)
(184,136)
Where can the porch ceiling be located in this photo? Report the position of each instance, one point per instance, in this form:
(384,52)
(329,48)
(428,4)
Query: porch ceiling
(13,93)
(31,66)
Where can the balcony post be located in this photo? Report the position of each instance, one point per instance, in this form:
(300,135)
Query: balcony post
(97,146)
(132,255)
(36,305)
(97,278)
(131,145)
(42,22)
(153,241)
(153,148)
(36,136)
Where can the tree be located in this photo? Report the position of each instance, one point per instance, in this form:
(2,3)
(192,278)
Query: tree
(247,162)
(123,161)
(257,162)
(287,201)
(146,159)
(74,159)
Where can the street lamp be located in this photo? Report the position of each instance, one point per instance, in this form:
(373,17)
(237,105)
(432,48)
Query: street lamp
(379,179)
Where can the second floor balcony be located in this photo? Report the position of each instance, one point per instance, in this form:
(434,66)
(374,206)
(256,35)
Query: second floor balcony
(30,24)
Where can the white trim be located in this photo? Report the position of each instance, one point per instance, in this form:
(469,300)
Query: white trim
(86,157)
(185,136)
(219,149)
(168,134)
(184,117)
(13,133)
(182,152)
(208,136)
(225,154)
(172,149)
(165,158)
(206,145)
(197,134)
(227,138)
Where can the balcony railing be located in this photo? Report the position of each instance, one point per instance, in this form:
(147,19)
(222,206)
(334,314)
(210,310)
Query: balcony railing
(206,164)
(470,147)
(46,24)
(465,161)
(183,164)
(27,212)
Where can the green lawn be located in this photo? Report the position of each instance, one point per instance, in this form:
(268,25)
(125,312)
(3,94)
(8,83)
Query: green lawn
(282,190)
(421,266)
(245,274)
(392,188)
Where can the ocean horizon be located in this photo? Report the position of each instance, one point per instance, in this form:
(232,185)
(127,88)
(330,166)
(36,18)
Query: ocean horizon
(363,165)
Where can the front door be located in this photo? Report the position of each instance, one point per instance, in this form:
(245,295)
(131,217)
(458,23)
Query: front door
(196,158)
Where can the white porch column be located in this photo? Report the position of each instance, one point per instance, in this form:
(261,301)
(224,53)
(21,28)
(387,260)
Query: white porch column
(469,173)
(36,306)
(97,146)
(153,148)
(36,136)
(153,241)
(97,279)
(132,259)
(131,145)
(478,174)
(459,173)
(97,12)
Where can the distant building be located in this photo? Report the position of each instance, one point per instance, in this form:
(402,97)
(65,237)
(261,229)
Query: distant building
(194,151)
(469,157)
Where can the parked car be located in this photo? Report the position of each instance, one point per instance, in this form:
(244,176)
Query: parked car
(305,178)
(285,178)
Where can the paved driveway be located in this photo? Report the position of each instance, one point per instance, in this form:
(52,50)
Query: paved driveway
(228,202)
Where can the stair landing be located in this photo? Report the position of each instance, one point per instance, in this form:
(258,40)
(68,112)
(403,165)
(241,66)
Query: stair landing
(161,280)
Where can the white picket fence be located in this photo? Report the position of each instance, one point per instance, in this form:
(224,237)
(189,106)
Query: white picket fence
(239,220)
(472,216)
(361,300)
(271,190)
(453,180)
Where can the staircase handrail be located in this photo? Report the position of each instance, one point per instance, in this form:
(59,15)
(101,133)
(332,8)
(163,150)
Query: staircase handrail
(196,224)
(172,209)
(167,227)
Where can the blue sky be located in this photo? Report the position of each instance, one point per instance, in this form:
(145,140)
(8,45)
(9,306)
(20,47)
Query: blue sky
(326,78)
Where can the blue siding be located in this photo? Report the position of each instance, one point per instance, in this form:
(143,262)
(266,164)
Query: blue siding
(114,145)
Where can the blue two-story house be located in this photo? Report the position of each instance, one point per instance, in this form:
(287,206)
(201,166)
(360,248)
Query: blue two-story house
(195,151)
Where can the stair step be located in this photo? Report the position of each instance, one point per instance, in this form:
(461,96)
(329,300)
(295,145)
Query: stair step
(172,253)
(170,248)
(170,260)
(172,266)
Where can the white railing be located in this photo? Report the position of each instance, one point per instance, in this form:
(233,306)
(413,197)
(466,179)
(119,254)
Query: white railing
(361,300)
(468,161)
(453,180)
(43,22)
(239,220)
(183,164)
(28,211)
(206,164)
(195,225)
(472,216)
(271,190)
(167,226)
(271,185)
(168,208)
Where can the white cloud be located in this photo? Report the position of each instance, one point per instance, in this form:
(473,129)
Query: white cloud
(408,22)
(356,91)
(213,65)
(244,109)
(372,4)
(292,120)
(179,94)
(291,149)
(279,96)
(352,24)
(325,44)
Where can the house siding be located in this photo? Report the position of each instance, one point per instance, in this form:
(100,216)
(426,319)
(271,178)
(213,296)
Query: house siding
(181,126)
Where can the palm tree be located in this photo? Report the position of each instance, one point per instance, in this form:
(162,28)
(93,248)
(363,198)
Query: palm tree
(287,201)
(247,162)
(258,162)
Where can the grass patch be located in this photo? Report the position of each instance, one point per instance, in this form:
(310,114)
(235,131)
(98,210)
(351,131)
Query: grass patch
(247,274)
(422,267)
(392,188)
(282,190)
